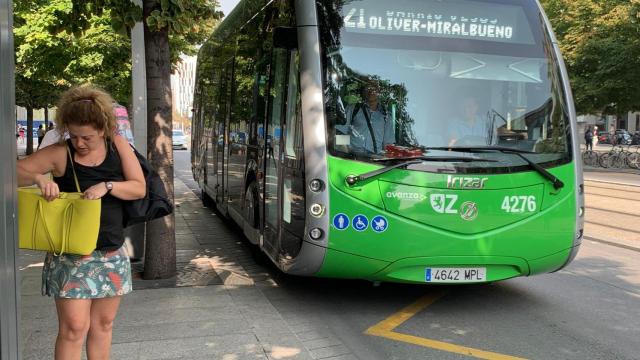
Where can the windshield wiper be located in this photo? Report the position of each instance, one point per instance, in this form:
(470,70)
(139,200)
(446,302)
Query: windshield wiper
(412,160)
(557,184)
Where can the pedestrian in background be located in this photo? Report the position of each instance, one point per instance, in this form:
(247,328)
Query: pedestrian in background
(612,135)
(588,138)
(87,289)
(595,135)
(41,133)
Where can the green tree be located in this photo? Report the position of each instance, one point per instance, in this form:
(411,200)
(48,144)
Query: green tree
(171,27)
(600,42)
(48,63)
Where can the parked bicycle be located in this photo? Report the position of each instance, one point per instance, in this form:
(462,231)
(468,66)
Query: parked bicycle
(610,158)
(590,158)
(619,156)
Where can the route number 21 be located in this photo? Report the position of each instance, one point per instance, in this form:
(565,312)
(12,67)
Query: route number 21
(519,204)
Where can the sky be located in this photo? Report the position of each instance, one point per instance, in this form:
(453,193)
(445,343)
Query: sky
(227,5)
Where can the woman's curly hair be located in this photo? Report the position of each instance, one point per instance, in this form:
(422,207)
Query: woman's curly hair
(86,105)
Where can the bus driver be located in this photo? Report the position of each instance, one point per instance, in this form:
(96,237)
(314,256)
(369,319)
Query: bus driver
(368,124)
(472,129)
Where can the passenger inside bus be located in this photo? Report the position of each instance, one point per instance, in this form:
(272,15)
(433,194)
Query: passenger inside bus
(471,128)
(369,125)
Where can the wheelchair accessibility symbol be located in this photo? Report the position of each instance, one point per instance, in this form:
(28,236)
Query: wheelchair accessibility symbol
(379,224)
(341,221)
(360,223)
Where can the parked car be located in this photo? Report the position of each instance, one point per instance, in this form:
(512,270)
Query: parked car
(635,139)
(604,137)
(237,141)
(179,140)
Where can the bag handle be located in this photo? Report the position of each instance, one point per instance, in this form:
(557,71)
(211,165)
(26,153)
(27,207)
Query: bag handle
(46,229)
(68,217)
(73,168)
(66,231)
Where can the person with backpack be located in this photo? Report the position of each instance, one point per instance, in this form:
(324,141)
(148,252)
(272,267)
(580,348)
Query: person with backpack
(588,138)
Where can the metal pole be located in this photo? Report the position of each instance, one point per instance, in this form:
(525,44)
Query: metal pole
(134,235)
(9,282)
(139,86)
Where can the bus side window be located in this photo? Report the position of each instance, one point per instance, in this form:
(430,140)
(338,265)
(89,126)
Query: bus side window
(294,119)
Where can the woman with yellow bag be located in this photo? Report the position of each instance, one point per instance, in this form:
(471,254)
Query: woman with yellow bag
(87,288)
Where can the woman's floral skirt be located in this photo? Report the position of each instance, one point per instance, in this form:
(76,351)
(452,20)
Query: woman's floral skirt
(98,275)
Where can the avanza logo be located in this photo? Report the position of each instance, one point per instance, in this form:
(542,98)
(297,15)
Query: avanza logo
(406,196)
(463,182)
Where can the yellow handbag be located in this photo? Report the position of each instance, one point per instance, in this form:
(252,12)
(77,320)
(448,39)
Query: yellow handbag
(67,225)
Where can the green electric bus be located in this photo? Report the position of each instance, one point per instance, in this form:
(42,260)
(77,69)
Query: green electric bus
(421,141)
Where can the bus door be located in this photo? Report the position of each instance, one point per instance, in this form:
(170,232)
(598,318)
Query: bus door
(221,138)
(284,182)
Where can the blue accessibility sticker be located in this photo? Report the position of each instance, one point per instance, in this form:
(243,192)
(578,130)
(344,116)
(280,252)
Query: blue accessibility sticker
(360,222)
(379,224)
(341,221)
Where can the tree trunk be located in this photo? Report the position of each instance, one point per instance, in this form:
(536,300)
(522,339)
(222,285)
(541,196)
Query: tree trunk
(28,133)
(46,118)
(160,251)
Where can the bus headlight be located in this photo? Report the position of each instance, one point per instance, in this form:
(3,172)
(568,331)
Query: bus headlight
(581,211)
(316,210)
(316,233)
(316,185)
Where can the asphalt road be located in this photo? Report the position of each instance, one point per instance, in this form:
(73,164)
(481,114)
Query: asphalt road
(589,310)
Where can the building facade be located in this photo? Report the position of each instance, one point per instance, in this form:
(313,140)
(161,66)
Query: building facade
(182,86)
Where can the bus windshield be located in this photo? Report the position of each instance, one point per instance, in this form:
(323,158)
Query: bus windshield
(421,74)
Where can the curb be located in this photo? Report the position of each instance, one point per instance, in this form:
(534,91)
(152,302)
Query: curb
(612,243)
(613,182)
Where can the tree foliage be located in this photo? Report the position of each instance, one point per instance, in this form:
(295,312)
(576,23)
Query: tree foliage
(190,22)
(171,27)
(49,62)
(600,42)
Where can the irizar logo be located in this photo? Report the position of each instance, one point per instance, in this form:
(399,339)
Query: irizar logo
(463,182)
(406,196)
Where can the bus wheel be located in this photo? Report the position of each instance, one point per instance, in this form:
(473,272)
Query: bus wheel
(206,199)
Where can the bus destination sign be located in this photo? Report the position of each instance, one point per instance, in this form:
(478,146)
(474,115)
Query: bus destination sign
(463,22)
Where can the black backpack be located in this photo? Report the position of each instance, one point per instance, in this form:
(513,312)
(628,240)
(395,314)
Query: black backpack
(156,202)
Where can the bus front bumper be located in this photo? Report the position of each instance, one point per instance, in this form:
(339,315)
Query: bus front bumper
(419,269)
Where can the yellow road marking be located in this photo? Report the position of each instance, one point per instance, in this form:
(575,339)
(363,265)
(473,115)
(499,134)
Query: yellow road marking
(385,329)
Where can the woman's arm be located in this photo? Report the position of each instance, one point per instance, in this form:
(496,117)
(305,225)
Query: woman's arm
(32,169)
(133,187)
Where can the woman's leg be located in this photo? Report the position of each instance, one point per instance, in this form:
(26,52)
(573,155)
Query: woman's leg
(103,313)
(73,324)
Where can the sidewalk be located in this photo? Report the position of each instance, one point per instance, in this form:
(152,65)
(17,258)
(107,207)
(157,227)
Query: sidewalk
(215,308)
(22,148)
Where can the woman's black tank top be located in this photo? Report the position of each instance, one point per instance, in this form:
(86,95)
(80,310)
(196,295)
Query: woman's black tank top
(111,236)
